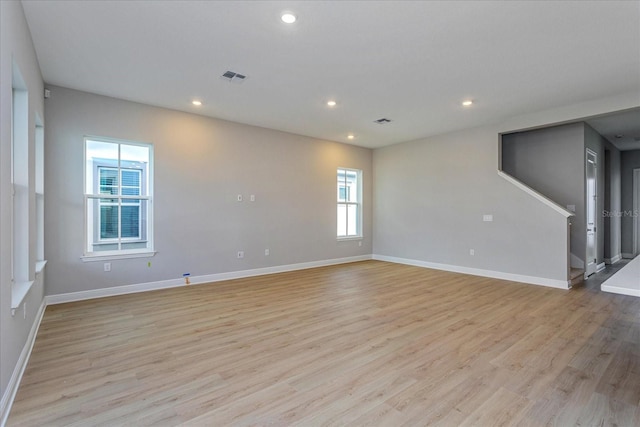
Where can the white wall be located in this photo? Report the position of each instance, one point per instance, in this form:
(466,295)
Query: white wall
(16,46)
(201,165)
(430,196)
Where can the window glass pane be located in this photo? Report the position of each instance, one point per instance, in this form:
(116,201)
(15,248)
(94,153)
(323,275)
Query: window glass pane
(342,220)
(136,157)
(352,186)
(108,220)
(98,152)
(130,221)
(352,220)
(108,180)
(130,178)
(342,188)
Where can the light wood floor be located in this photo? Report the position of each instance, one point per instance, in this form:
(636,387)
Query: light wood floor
(368,343)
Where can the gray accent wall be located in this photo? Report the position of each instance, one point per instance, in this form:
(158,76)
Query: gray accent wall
(430,199)
(552,162)
(16,45)
(201,165)
(630,160)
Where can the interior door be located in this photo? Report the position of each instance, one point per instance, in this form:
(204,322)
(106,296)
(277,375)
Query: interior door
(592,197)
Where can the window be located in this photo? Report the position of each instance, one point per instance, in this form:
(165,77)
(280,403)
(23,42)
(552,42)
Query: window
(349,203)
(21,272)
(118,196)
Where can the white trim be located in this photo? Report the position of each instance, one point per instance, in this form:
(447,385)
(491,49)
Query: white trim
(613,260)
(14,382)
(40,266)
(553,205)
(627,255)
(91,258)
(635,242)
(621,291)
(195,280)
(553,283)
(19,291)
(600,267)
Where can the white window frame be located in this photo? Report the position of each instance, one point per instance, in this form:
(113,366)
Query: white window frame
(346,203)
(120,253)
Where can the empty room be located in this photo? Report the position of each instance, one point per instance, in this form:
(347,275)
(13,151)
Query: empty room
(317,213)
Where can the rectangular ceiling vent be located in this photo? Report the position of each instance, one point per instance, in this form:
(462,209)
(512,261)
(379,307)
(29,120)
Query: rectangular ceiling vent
(233,77)
(382,121)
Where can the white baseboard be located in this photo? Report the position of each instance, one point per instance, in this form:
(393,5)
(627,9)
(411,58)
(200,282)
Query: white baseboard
(620,290)
(600,267)
(627,255)
(195,280)
(14,382)
(553,283)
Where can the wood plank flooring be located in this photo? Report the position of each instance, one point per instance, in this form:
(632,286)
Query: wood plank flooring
(368,343)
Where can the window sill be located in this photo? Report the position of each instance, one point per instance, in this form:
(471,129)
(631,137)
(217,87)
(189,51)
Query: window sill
(19,291)
(110,257)
(40,266)
(343,239)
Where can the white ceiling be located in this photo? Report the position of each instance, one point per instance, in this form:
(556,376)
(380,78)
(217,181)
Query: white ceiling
(410,61)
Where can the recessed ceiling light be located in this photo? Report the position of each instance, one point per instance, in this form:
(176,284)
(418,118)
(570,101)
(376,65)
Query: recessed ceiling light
(196,102)
(351,136)
(331,103)
(467,103)
(288,18)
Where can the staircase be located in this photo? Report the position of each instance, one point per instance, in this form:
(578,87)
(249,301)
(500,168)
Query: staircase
(577,277)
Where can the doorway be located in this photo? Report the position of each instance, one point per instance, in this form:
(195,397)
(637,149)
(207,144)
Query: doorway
(592,207)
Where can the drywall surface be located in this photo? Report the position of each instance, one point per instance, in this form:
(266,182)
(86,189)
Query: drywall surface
(551,161)
(201,165)
(431,196)
(16,52)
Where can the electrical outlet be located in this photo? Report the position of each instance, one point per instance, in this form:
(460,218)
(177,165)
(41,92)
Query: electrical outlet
(239,197)
(266,252)
(472,252)
(240,254)
(252,197)
(107,266)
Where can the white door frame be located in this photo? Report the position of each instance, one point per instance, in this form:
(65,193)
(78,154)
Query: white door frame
(589,265)
(636,212)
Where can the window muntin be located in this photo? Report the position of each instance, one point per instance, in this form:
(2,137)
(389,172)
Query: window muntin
(349,192)
(120,223)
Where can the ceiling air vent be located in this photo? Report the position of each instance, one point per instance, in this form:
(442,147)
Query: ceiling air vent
(382,121)
(233,77)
